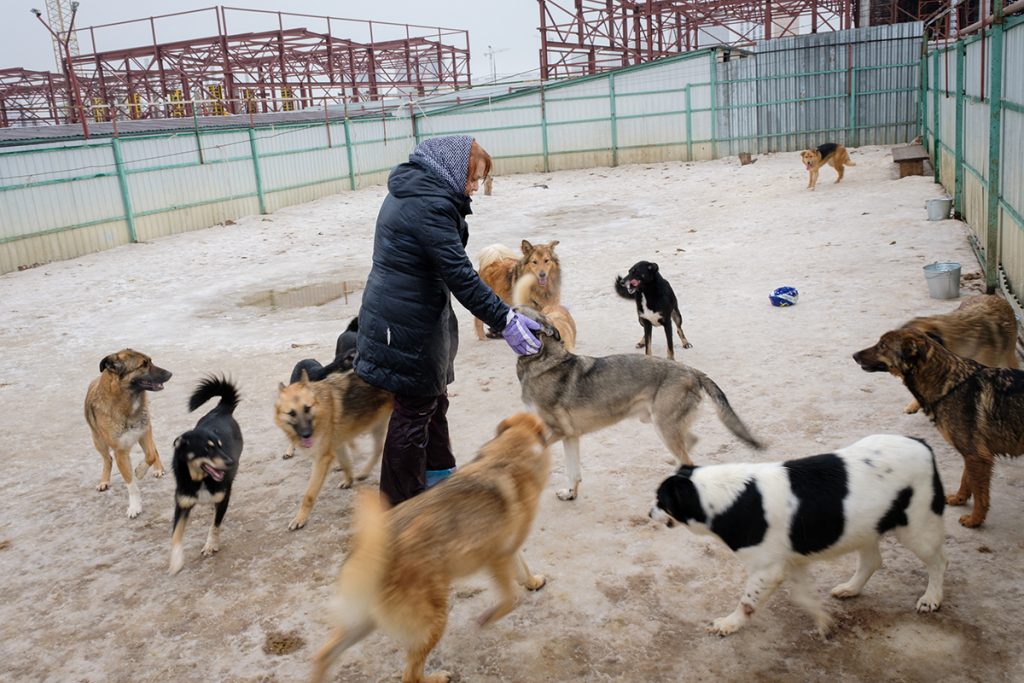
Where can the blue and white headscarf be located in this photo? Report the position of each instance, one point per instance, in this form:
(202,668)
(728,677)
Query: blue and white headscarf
(448,156)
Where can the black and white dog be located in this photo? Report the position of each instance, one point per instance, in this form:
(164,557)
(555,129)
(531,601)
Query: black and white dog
(779,517)
(205,463)
(344,354)
(655,304)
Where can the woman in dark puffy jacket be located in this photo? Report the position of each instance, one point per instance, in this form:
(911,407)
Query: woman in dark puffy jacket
(408,334)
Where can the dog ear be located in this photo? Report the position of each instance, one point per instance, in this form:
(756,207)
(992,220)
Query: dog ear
(678,496)
(653,267)
(304,377)
(177,442)
(111,363)
(553,243)
(526,247)
(935,337)
(280,387)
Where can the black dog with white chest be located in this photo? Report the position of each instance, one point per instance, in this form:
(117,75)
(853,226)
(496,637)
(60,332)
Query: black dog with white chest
(656,304)
(205,463)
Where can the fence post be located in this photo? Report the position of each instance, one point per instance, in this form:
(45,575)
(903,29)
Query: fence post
(256,170)
(544,127)
(714,104)
(348,151)
(958,146)
(936,161)
(995,114)
(199,138)
(615,132)
(851,135)
(689,126)
(122,182)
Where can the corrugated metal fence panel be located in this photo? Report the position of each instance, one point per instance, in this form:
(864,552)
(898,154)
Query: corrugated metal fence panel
(651,110)
(886,103)
(579,124)
(1012,166)
(737,127)
(378,145)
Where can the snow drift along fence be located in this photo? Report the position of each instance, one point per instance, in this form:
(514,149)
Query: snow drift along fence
(61,200)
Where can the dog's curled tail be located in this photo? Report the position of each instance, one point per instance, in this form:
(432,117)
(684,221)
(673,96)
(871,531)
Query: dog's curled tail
(493,254)
(215,386)
(360,578)
(521,290)
(725,412)
(620,288)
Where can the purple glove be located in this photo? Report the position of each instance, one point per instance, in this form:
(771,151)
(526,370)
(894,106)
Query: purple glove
(518,333)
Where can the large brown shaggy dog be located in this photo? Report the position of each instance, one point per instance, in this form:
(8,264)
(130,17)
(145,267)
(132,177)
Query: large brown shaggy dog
(829,154)
(977,409)
(500,268)
(983,329)
(399,573)
(322,418)
(117,410)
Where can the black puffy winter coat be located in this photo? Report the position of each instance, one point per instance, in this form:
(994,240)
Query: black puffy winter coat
(408,334)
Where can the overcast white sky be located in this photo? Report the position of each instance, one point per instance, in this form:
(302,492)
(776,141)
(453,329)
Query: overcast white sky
(510,26)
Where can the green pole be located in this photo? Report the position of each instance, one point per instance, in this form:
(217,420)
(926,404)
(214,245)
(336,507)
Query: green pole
(922,77)
(936,163)
(689,126)
(348,151)
(714,104)
(995,114)
(544,126)
(122,182)
(851,135)
(615,132)
(958,147)
(256,170)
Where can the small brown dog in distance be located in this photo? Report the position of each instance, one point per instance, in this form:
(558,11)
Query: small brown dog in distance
(500,268)
(983,329)
(979,410)
(117,410)
(829,154)
(398,575)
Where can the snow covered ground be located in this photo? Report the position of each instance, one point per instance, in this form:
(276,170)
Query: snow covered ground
(86,591)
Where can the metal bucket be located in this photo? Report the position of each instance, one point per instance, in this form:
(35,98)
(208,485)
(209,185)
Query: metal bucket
(943,280)
(938,209)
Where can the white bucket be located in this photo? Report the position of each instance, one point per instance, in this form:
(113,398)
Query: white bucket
(938,209)
(943,280)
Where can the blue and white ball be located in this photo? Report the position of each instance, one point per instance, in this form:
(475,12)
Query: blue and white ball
(784,296)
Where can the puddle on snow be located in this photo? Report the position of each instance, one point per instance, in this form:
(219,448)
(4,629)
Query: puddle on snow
(315,294)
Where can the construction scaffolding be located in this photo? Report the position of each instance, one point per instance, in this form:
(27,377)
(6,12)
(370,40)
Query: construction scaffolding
(244,61)
(580,37)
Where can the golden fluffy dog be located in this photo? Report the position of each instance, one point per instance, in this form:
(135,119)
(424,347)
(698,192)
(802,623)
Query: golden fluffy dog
(983,329)
(398,575)
(117,410)
(829,154)
(322,418)
(977,409)
(557,315)
(500,268)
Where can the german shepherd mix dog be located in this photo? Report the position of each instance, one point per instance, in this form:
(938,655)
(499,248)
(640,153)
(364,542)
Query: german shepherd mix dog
(977,409)
(557,315)
(205,463)
(398,576)
(656,304)
(500,268)
(577,395)
(117,410)
(983,329)
(322,417)
(780,517)
(344,355)
(829,154)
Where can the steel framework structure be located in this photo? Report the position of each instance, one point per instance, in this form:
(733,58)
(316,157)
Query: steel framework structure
(588,36)
(283,66)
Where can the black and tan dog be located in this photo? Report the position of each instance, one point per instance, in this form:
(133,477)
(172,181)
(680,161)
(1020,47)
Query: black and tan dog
(979,410)
(398,576)
(205,463)
(322,418)
(983,329)
(829,154)
(656,304)
(117,410)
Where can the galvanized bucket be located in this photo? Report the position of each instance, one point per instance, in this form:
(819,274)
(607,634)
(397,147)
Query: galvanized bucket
(943,280)
(938,208)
